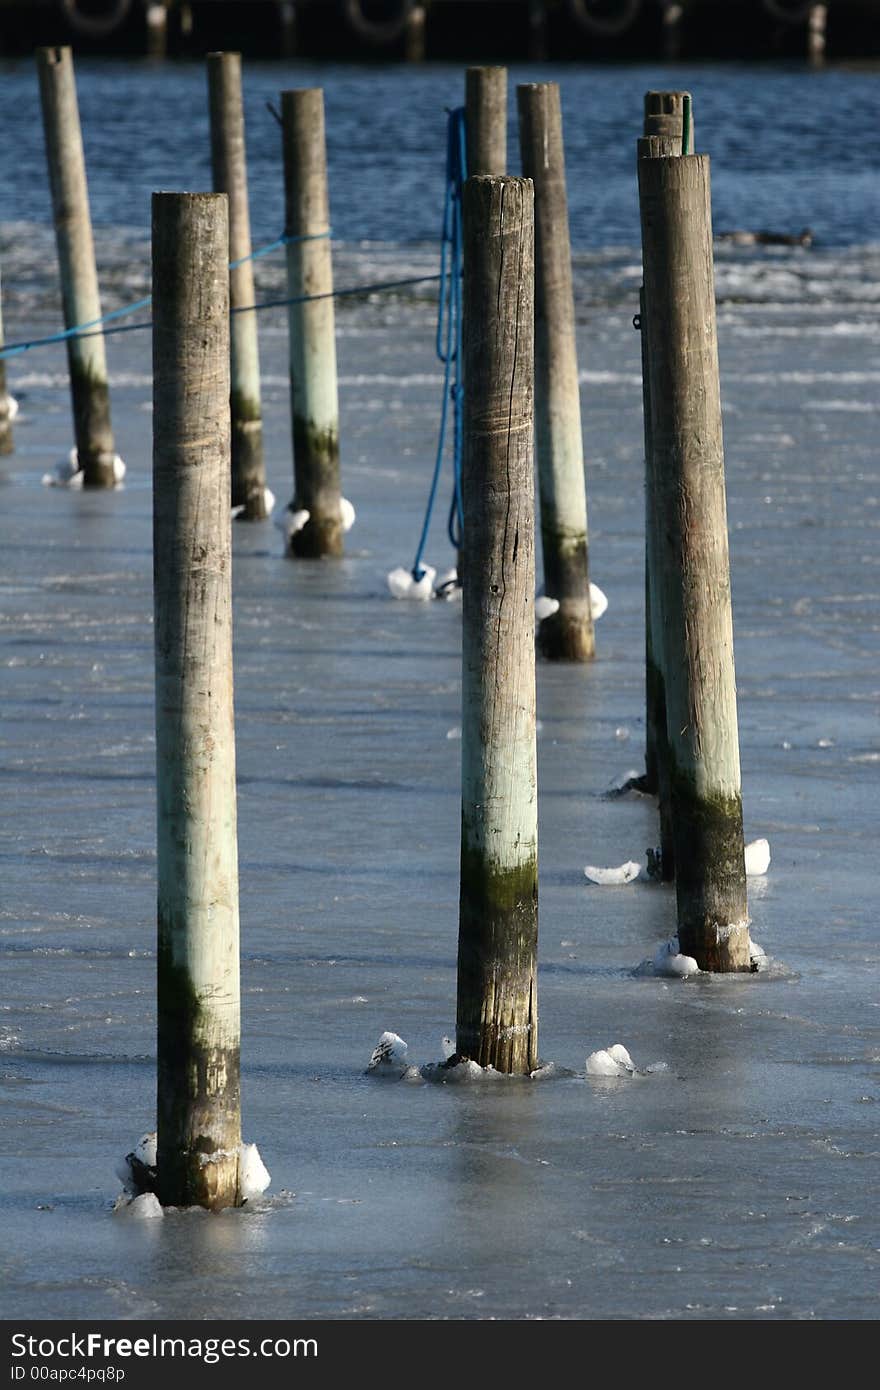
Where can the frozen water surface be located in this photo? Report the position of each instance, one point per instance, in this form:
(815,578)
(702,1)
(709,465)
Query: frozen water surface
(734,1174)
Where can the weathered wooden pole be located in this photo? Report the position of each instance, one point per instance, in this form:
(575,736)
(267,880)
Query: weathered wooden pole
(497,1015)
(86,358)
(198,1092)
(664,115)
(671,18)
(687,452)
(313,389)
(414,39)
(656,745)
(568,633)
(229,170)
(7,409)
(156,23)
(485,102)
(816,25)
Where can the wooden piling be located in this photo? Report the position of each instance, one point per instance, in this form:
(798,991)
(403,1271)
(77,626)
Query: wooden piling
(486,120)
(415,37)
(497,1017)
(313,386)
(664,115)
(229,170)
(686,444)
(198,1092)
(156,22)
(568,633)
(86,357)
(656,746)
(817,21)
(7,442)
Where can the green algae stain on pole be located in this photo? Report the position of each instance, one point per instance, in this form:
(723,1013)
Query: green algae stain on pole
(198,1088)
(313,383)
(86,357)
(568,633)
(497,1013)
(229,170)
(698,666)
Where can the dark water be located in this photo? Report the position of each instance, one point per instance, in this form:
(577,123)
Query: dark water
(790,148)
(737,1183)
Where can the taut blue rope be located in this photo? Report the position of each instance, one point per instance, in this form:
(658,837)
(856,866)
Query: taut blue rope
(81,330)
(449,333)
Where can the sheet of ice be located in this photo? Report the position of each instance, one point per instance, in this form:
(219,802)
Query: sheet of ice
(757,858)
(403,584)
(625,873)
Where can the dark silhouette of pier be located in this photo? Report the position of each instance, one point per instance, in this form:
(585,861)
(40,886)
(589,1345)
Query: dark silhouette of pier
(452,30)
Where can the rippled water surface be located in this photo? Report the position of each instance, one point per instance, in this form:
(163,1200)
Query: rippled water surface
(739,1180)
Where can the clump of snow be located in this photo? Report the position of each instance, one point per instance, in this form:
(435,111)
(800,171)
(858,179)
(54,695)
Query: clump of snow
(289,522)
(757,858)
(389,1058)
(403,583)
(669,961)
(630,781)
(139,1166)
(347,512)
(456,1070)
(625,873)
(11,408)
(598,601)
(268,504)
(454,732)
(448,585)
(447,1046)
(67,472)
(545,607)
(145,1207)
(758,957)
(253,1175)
(129,1169)
(610,1061)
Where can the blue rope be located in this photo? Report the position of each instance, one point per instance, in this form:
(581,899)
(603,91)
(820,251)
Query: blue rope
(448,342)
(82,329)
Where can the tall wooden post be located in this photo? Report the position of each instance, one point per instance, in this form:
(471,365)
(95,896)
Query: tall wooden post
(485,101)
(156,23)
(229,169)
(656,746)
(497,1015)
(198,1093)
(86,358)
(664,115)
(816,25)
(568,633)
(313,387)
(414,40)
(7,443)
(686,445)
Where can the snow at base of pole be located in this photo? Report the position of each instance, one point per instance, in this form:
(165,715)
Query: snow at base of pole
(67,472)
